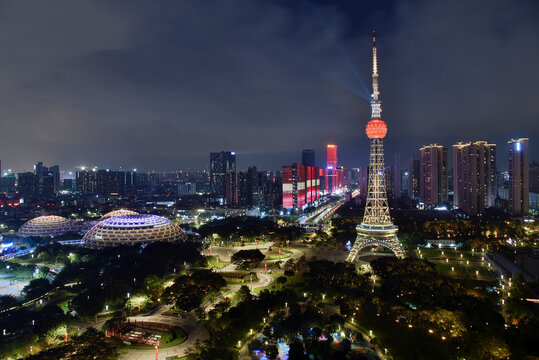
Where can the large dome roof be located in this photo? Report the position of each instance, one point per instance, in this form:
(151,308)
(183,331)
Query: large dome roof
(132,229)
(119,212)
(49,225)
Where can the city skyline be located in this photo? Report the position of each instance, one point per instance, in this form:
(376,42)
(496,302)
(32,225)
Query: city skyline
(129,94)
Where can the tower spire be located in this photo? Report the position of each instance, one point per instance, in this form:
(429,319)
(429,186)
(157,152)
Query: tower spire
(375,101)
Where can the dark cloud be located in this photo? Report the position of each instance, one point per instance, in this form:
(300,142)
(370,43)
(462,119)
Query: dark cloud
(161,84)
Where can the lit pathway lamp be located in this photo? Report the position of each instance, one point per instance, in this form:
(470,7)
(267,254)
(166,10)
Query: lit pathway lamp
(66,336)
(265,268)
(156,351)
(251,279)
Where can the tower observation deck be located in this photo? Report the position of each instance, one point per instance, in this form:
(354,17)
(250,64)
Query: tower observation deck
(376,229)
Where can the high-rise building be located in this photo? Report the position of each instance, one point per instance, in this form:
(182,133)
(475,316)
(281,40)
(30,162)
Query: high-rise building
(396,176)
(106,182)
(519,177)
(221,163)
(474,176)
(331,168)
(55,173)
(354,176)
(414,178)
(187,188)
(331,156)
(389,174)
(232,188)
(252,197)
(376,228)
(301,186)
(307,157)
(534,177)
(363,180)
(27,186)
(433,175)
(404,182)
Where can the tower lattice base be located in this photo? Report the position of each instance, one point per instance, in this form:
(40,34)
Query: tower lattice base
(376,235)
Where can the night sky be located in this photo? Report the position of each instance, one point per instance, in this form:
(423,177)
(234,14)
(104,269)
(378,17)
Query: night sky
(161,84)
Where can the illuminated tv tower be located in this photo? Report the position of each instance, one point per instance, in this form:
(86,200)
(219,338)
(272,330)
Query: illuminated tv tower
(376,229)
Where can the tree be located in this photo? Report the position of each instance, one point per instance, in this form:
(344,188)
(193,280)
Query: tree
(36,288)
(7,301)
(247,256)
(491,348)
(296,351)
(272,351)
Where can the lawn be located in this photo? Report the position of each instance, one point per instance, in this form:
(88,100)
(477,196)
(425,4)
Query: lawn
(212,262)
(463,271)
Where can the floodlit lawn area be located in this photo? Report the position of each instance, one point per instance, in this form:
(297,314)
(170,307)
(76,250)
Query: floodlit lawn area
(466,271)
(271,286)
(401,342)
(449,254)
(274,254)
(212,262)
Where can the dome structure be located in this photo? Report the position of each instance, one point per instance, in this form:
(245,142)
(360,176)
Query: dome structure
(131,230)
(376,129)
(47,226)
(120,212)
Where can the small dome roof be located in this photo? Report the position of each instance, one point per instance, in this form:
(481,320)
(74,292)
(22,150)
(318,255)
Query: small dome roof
(119,212)
(47,226)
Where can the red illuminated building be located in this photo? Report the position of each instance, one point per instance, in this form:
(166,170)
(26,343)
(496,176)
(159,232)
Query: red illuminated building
(331,156)
(301,186)
(331,173)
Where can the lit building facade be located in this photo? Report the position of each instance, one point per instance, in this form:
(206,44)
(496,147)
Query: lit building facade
(221,163)
(433,175)
(301,186)
(414,178)
(331,168)
(106,182)
(519,177)
(474,176)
